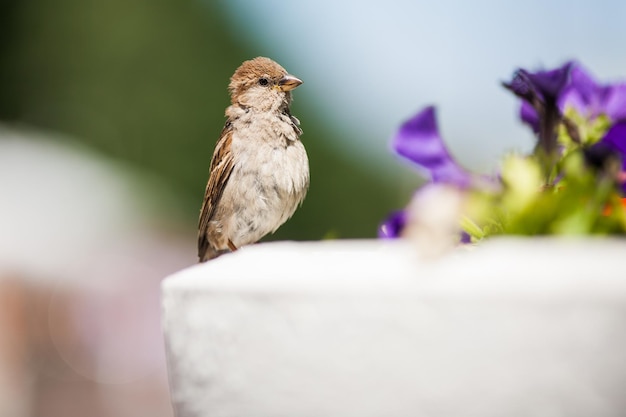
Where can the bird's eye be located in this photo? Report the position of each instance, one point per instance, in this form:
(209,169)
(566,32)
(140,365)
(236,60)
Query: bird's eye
(264,81)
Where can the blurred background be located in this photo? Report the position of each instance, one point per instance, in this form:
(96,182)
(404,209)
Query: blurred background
(109,111)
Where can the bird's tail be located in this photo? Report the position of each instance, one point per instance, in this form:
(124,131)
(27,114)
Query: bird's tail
(210,253)
(206,251)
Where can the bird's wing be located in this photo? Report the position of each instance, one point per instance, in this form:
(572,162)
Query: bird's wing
(221,167)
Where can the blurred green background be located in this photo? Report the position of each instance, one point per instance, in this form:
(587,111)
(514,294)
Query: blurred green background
(144,81)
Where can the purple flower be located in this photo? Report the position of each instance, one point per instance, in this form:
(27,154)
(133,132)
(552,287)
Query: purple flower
(542,85)
(592,99)
(545,96)
(615,139)
(529,116)
(586,96)
(418,140)
(541,92)
(615,103)
(548,84)
(611,147)
(393,225)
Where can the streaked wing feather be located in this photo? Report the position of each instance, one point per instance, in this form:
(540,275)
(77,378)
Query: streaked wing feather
(221,167)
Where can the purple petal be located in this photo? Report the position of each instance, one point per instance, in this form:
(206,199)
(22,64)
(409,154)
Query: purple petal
(615,103)
(419,141)
(582,89)
(520,85)
(615,138)
(549,84)
(529,116)
(572,98)
(586,95)
(394,224)
(590,98)
(579,96)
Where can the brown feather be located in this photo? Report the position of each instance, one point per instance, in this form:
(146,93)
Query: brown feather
(249,73)
(221,168)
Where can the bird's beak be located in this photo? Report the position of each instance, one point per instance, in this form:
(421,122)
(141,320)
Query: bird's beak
(289,82)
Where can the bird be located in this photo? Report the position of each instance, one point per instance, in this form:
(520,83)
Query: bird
(259,172)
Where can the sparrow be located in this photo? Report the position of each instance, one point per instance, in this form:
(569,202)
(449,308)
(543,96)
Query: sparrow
(259,171)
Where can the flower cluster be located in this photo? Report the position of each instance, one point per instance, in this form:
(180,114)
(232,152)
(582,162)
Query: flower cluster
(573,182)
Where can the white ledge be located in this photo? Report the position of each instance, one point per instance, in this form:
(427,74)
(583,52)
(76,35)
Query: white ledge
(515,327)
(514,266)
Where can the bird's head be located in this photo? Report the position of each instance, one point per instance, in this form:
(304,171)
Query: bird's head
(262,84)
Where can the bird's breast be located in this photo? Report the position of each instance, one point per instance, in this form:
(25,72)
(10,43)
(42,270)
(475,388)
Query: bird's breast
(269,180)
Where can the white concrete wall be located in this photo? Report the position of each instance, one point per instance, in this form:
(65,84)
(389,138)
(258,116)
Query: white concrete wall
(516,327)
